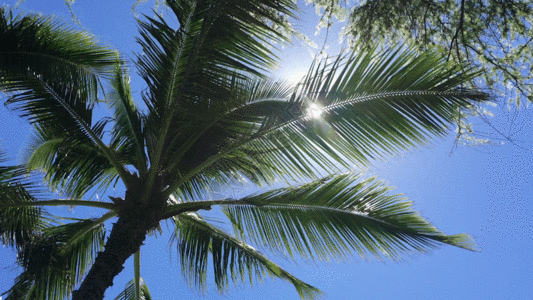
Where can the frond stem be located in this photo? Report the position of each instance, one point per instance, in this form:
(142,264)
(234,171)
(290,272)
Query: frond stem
(97,222)
(58,202)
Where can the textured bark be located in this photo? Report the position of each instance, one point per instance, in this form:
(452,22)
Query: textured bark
(126,238)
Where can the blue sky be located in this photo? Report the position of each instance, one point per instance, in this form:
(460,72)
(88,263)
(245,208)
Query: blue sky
(483,191)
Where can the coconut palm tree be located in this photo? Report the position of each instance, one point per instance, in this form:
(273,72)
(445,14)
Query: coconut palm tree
(209,117)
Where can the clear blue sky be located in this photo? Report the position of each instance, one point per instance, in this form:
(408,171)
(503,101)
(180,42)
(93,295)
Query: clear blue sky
(482,191)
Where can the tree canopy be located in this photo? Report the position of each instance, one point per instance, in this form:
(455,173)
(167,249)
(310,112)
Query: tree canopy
(493,35)
(211,116)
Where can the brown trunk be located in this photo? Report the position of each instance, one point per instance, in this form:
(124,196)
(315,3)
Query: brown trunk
(126,237)
(124,240)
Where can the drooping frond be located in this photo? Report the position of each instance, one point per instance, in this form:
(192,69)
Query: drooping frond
(336,217)
(47,62)
(55,259)
(197,240)
(69,164)
(52,73)
(129,291)
(16,224)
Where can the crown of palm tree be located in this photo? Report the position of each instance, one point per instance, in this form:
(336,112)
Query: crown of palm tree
(212,117)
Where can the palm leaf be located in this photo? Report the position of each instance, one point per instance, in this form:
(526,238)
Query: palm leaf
(129,291)
(69,164)
(184,68)
(196,239)
(54,73)
(127,134)
(35,51)
(17,224)
(213,130)
(335,217)
(56,259)
(373,104)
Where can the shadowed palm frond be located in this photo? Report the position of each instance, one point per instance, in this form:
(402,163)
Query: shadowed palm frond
(196,240)
(336,217)
(212,131)
(127,134)
(56,259)
(52,74)
(17,224)
(35,51)
(68,163)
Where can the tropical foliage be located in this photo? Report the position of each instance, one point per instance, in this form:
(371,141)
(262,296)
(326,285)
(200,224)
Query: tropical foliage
(210,117)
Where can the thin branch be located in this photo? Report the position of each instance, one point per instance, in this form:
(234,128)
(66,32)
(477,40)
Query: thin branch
(456,35)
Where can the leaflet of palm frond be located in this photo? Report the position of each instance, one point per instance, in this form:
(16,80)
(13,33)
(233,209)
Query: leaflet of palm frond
(129,291)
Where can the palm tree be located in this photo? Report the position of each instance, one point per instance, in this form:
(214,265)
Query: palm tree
(210,117)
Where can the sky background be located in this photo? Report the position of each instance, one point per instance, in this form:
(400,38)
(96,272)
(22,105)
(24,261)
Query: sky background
(483,191)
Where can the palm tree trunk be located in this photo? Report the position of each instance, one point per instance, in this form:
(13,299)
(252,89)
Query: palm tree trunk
(126,238)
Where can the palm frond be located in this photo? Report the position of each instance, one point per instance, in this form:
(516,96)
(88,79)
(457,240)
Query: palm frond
(212,130)
(40,56)
(372,104)
(55,259)
(68,163)
(129,291)
(53,73)
(336,217)
(127,134)
(184,67)
(17,224)
(196,239)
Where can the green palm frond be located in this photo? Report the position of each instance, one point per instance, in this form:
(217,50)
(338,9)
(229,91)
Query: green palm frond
(184,67)
(373,105)
(213,130)
(52,73)
(196,239)
(17,224)
(35,51)
(68,163)
(336,217)
(127,134)
(129,291)
(55,259)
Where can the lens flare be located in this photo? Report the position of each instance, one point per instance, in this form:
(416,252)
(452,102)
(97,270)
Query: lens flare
(314,111)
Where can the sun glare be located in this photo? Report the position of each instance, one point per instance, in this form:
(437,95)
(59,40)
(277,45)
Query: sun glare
(314,111)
